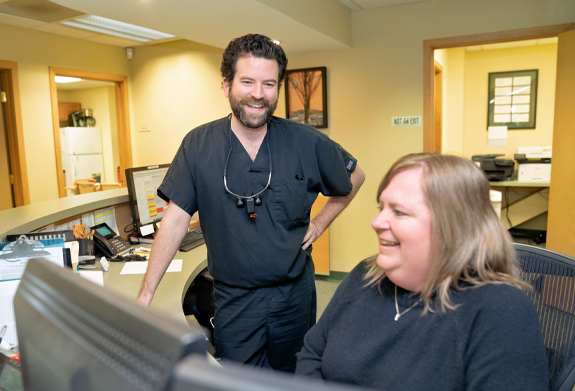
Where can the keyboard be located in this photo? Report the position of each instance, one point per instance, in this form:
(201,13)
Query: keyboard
(192,239)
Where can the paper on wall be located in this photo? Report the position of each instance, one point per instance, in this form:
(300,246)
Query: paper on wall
(67,226)
(88,220)
(108,216)
(497,136)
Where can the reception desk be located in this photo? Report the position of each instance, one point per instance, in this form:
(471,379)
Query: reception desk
(172,288)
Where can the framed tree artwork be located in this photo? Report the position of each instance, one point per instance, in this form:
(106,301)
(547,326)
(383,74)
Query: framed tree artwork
(306,96)
(512,99)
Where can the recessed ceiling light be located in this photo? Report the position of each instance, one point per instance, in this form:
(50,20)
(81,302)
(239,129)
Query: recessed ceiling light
(64,79)
(118,29)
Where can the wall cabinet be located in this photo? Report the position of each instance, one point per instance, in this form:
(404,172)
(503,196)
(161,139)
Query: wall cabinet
(67,108)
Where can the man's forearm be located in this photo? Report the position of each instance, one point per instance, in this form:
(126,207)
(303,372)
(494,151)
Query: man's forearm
(335,205)
(174,227)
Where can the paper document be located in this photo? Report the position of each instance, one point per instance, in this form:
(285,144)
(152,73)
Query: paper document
(141,267)
(108,216)
(7,293)
(88,220)
(14,256)
(96,276)
(67,226)
(497,136)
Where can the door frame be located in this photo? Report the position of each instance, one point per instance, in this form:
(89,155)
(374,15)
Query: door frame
(438,105)
(122,115)
(430,134)
(15,132)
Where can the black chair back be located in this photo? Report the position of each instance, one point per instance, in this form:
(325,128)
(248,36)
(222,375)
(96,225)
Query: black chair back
(552,276)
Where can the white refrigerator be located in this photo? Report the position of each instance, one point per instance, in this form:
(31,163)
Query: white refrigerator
(81,153)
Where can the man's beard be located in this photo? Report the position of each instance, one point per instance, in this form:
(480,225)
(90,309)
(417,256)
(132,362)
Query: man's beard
(252,120)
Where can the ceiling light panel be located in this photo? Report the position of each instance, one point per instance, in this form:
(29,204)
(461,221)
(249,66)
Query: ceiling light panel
(66,79)
(119,29)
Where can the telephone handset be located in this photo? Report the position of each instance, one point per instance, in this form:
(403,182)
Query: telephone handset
(108,243)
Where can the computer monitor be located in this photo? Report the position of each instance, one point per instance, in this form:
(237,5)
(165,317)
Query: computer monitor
(76,335)
(195,374)
(147,208)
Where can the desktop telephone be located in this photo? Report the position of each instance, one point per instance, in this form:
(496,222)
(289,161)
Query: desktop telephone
(109,244)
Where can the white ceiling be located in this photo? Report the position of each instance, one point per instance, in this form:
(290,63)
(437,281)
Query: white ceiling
(82,85)
(513,44)
(301,25)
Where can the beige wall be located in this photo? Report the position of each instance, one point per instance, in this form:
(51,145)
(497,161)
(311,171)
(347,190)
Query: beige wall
(382,77)
(34,52)
(478,64)
(102,101)
(175,87)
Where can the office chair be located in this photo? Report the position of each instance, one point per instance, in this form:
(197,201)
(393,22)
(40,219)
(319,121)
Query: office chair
(109,186)
(84,187)
(552,276)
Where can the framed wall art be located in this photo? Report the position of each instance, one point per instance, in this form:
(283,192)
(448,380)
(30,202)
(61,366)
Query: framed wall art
(512,99)
(306,96)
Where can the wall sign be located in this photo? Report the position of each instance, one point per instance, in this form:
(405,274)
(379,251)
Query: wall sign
(406,121)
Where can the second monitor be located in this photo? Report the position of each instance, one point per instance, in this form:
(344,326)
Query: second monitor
(147,208)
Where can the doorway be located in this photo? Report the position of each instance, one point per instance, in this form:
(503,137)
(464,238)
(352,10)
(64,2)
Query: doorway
(124,145)
(13,174)
(558,238)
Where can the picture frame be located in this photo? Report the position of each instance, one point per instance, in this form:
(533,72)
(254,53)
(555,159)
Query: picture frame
(512,99)
(306,96)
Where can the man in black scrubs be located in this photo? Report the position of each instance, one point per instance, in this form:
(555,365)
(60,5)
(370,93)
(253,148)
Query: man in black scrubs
(253,178)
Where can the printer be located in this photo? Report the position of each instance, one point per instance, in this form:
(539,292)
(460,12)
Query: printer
(534,164)
(495,169)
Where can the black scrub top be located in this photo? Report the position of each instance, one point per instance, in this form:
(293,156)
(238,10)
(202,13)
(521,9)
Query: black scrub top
(265,250)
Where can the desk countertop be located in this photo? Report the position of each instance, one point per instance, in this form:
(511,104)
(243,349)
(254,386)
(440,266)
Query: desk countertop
(173,287)
(29,218)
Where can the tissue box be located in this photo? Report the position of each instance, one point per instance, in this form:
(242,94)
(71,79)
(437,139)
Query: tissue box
(534,172)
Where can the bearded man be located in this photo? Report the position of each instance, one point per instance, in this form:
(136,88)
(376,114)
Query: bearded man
(256,225)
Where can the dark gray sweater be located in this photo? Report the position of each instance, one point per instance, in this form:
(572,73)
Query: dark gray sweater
(491,342)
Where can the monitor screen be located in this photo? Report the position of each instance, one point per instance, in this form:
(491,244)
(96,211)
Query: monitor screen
(76,335)
(143,183)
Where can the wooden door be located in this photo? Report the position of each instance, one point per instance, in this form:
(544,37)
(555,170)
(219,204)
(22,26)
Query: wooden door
(561,220)
(438,108)
(320,253)
(5,185)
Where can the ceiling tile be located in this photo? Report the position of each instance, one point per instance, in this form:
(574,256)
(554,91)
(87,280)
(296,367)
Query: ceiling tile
(55,28)
(114,41)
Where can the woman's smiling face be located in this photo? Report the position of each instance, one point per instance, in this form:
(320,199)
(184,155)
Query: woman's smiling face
(403,228)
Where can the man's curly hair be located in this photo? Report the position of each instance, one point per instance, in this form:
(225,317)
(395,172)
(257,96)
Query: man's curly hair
(255,45)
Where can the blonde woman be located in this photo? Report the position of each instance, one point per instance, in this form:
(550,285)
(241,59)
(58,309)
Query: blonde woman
(440,307)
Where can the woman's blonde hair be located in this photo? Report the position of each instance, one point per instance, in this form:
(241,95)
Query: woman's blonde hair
(470,243)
